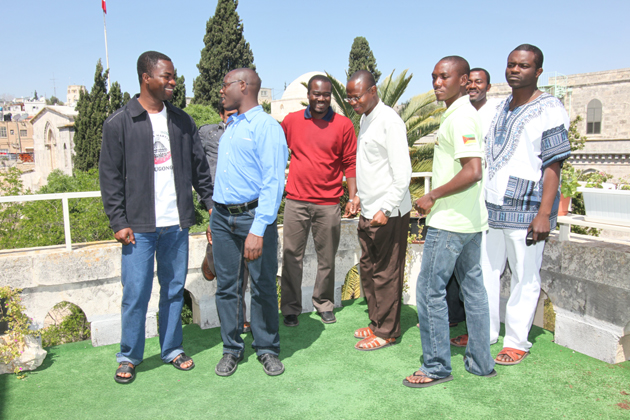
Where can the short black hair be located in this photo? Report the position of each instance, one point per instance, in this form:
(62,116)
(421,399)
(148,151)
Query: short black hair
(147,62)
(538,54)
(483,70)
(364,76)
(460,62)
(317,77)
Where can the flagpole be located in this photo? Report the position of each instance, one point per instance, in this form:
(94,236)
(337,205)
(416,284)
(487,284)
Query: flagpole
(109,83)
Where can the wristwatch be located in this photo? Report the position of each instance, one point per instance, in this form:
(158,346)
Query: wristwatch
(387,213)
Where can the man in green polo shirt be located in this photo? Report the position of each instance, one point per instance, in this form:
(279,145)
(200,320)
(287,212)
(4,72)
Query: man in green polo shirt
(456,216)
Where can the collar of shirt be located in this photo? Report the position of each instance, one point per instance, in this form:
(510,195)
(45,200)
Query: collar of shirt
(248,115)
(327,117)
(455,105)
(375,111)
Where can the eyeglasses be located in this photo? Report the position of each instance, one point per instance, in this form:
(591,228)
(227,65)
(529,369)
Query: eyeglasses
(350,100)
(225,85)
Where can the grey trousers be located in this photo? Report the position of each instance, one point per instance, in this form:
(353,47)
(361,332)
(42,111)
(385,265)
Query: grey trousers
(325,221)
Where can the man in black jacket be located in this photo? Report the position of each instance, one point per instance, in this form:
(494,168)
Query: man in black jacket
(151,156)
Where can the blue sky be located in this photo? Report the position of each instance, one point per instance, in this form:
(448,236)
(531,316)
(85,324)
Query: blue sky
(64,38)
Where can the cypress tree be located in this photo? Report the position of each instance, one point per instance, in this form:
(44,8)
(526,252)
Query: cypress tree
(362,58)
(115,98)
(225,50)
(93,109)
(179,93)
(126,98)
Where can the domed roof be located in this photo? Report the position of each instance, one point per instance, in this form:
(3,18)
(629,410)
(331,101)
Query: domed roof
(296,89)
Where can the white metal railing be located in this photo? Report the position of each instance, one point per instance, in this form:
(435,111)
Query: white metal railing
(88,194)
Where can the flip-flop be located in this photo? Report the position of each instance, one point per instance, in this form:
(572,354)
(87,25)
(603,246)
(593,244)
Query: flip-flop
(426,384)
(125,367)
(516,355)
(180,360)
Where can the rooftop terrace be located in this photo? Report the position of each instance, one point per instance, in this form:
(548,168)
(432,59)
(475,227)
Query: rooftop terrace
(325,378)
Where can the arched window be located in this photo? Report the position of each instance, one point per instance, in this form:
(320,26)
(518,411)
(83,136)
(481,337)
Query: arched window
(594,117)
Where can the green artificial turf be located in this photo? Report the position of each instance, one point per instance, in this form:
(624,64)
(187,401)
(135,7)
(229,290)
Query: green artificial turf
(325,378)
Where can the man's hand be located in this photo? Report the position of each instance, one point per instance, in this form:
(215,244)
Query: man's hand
(355,206)
(540,227)
(253,247)
(379,219)
(125,236)
(350,211)
(425,203)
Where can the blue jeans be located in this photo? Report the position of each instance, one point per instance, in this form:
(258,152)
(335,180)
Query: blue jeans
(228,237)
(169,247)
(444,253)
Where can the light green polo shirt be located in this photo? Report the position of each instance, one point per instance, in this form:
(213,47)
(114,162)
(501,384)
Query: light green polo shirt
(460,136)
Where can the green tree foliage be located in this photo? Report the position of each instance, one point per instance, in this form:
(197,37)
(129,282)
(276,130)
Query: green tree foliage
(93,108)
(225,50)
(71,328)
(179,93)
(40,223)
(115,97)
(126,98)
(576,140)
(35,96)
(203,114)
(53,100)
(362,58)
(266,105)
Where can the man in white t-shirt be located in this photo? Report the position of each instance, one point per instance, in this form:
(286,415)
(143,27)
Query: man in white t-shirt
(150,159)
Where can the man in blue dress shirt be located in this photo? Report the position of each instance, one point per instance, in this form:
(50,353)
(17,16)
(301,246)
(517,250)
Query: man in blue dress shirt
(248,189)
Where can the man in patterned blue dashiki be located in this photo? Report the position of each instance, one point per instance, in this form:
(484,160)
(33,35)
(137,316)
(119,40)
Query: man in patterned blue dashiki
(525,148)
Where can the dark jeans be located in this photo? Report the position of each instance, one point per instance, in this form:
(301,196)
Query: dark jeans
(228,236)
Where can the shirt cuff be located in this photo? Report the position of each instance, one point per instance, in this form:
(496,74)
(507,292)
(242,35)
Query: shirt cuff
(258,228)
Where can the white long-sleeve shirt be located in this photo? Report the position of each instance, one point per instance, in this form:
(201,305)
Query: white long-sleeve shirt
(383,164)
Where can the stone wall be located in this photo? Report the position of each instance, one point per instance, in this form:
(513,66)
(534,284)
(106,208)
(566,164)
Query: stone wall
(585,278)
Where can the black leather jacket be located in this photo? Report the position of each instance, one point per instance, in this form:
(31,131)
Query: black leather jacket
(126,167)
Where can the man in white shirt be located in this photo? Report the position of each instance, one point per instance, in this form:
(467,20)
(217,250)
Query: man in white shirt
(383,175)
(477,89)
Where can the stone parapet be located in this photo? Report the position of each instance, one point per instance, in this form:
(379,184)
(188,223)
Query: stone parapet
(586,279)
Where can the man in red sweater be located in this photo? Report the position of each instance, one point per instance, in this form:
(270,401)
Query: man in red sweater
(323,146)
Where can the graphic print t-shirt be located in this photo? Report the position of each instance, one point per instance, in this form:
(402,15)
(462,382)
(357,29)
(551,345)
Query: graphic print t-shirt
(166,213)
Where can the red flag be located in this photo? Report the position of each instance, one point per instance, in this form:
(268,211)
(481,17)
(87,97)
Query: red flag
(104,6)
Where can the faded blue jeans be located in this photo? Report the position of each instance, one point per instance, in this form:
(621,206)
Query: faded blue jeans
(444,253)
(169,247)
(229,232)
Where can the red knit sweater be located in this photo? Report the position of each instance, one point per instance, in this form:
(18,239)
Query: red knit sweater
(321,151)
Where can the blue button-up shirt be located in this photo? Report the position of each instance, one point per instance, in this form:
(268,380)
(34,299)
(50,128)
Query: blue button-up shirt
(252,158)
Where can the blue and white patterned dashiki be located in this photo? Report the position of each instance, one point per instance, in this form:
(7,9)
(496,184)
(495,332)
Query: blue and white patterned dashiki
(520,145)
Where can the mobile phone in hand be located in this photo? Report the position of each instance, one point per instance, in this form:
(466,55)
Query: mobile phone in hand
(529,239)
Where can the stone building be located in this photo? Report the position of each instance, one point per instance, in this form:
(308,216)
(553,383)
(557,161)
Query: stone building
(53,137)
(602,99)
(16,137)
(74,92)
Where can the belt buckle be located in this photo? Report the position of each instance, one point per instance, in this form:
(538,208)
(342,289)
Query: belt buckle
(235,209)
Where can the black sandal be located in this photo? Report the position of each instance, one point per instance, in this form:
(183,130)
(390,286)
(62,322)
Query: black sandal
(180,360)
(125,367)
